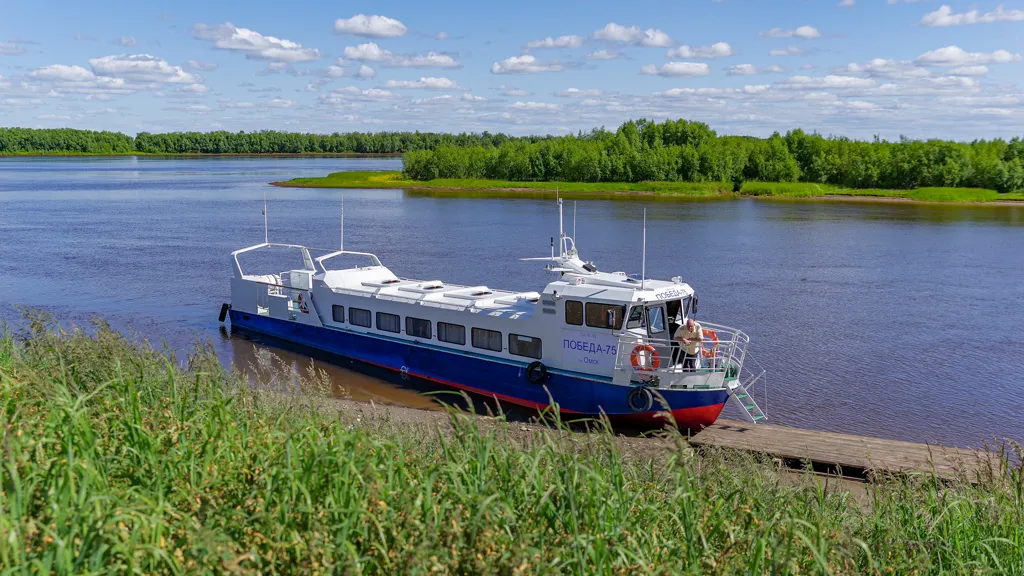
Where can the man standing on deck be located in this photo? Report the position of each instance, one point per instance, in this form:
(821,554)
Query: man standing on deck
(689,336)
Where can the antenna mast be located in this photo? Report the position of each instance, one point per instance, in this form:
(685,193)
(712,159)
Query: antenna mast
(574,222)
(266,233)
(643,265)
(561,231)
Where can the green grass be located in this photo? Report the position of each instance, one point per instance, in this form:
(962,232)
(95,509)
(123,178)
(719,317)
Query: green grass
(119,458)
(394,179)
(474,187)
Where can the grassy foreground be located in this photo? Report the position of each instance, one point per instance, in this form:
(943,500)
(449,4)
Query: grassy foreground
(394,179)
(118,458)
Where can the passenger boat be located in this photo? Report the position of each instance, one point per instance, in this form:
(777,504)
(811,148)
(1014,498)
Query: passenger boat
(591,343)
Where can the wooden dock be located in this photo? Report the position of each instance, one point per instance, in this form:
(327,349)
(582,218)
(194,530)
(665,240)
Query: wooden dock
(847,454)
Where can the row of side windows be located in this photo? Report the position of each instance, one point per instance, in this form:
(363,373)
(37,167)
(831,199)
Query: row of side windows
(451,333)
(597,315)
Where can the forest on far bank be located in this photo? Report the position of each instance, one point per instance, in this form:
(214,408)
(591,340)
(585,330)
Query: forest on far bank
(637,151)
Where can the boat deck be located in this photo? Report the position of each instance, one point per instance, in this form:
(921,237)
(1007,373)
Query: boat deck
(848,454)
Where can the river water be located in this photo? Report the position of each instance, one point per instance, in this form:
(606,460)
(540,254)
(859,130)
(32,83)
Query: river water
(888,319)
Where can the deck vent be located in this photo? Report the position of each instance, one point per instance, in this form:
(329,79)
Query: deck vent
(390,281)
(482,293)
(431,287)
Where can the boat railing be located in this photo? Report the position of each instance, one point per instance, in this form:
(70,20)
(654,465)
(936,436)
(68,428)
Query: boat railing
(722,349)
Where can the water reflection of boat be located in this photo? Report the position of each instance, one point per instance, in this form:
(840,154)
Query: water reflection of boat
(593,342)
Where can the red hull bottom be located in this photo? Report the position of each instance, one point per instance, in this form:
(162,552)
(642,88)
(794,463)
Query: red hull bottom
(694,419)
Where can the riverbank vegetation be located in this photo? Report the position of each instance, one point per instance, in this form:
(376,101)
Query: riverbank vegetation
(120,458)
(28,141)
(612,190)
(691,152)
(638,151)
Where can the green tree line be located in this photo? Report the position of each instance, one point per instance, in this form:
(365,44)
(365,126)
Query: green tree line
(66,140)
(641,150)
(690,151)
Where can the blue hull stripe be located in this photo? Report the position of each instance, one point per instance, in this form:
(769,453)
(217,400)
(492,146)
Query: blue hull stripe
(572,391)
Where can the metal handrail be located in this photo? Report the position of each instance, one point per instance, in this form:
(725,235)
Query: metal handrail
(730,349)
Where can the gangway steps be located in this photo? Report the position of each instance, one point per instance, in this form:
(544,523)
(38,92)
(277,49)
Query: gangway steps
(741,396)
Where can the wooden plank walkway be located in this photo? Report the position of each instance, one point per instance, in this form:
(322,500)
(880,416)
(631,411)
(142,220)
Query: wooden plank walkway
(852,454)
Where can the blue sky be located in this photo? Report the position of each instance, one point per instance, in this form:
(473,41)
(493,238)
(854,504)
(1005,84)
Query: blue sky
(852,67)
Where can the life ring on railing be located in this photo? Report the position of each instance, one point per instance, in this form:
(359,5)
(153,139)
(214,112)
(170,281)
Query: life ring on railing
(640,399)
(645,357)
(712,350)
(302,306)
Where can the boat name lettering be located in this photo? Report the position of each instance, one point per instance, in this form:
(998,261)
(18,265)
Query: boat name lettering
(669,294)
(591,347)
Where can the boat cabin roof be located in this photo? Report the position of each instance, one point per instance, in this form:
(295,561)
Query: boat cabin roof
(577,279)
(380,282)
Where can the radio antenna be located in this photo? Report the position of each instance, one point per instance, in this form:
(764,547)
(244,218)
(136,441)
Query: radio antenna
(643,265)
(574,222)
(266,233)
(341,246)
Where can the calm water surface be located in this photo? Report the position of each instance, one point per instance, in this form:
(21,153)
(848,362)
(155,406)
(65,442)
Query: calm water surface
(898,320)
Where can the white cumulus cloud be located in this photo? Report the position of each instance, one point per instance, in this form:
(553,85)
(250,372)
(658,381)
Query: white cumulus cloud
(957,56)
(141,68)
(371,52)
(887,68)
(365,72)
(787,51)
(830,82)
(633,35)
(254,45)
(604,55)
(370,26)
(969,70)
(945,16)
(804,32)
(577,93)
(716,50)
(571,41)
(525,64)
(534,106)
(750,70)
(677,69)
(425,84)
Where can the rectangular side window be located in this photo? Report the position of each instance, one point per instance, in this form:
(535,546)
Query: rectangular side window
(574,312)
(418,328)
(451,333)
(524,346)
(359,317)
(389,322)
(487,339)
(339,313)
(605,315)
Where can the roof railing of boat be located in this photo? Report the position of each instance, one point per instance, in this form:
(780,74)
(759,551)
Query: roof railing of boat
(373,258)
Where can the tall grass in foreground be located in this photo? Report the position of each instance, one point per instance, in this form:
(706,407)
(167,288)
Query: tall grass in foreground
(119,459)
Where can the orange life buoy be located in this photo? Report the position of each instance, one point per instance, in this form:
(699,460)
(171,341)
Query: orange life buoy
(712,350)
(302,306)
(645,357)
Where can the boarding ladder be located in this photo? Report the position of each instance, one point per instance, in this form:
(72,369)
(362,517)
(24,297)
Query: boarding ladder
(741,389)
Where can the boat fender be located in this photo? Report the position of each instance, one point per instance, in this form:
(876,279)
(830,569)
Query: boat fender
(536,372)
(223,311)
(640,399)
